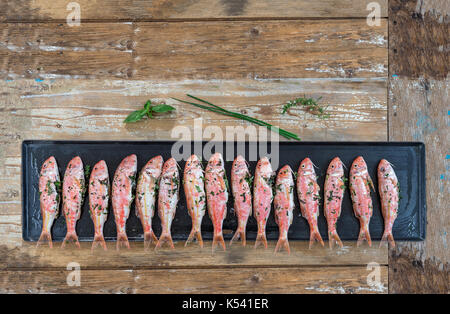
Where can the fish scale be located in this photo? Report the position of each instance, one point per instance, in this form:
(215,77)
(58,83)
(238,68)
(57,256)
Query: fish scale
(73,194)
(309,198)
(98,200)
(240,186)
(216,196)
(49,198)
(146,194)
(333,196)
(194,190)
(360,185)
(122,196)
(389,190)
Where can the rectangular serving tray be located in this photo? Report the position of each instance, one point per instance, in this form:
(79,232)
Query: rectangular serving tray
(408,159)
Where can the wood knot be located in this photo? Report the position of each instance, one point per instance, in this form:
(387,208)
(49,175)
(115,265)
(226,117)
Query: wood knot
(254,31)
(255,278)
(243,111)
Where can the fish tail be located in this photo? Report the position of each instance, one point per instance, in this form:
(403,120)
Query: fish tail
(218,238)
(195,234)
(239,234)
(315,236)
(261,238)
(364,234)
(70,236)
(45,237)
(165,237)
(98,240)
(122,239)
(334,237)
(282,242)
(149,238)
(387,236)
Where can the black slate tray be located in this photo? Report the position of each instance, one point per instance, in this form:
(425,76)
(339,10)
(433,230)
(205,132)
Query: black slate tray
(408,159)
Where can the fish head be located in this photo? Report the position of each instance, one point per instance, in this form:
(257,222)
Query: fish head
(359,167)
(75,167)
(215,163)
(306,168)
(129,165)
(336,167)
(285,173)
(264,167)
(192,163)
(170,167)
(100,171)
(239,166)
(50,168)
(385,169)
(154,166)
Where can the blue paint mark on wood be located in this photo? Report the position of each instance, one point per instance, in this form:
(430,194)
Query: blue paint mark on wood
(39,80)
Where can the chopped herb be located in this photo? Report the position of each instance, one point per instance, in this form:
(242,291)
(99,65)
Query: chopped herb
(309,104)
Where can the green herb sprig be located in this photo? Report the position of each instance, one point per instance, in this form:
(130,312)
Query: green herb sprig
(147,111)
(310,104)
(217,109)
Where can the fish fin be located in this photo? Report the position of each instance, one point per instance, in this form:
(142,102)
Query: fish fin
(315,235)
(282,242)
(387,236)
(70,236)
(122,239)
(261,238)
(45,237)
(98,240)
(197,234)
(333,237)
(218,238)
(239,234)
(369,180)
(165,237)
(364,234)
(149,238)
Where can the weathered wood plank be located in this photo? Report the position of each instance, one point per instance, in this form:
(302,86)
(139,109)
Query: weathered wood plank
(95,109)
(418,103)
(15,254)
(239,280)
(189,50)
(45,10)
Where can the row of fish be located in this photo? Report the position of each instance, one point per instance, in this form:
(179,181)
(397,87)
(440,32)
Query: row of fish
(159,182)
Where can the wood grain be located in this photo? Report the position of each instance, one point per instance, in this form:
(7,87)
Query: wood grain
(418,111)
(26,255)
(223,50)
(46,10)
(239,280)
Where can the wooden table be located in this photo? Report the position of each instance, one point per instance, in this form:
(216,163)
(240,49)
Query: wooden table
(62,82)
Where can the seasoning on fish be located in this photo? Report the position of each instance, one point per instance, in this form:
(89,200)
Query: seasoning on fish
(73,195)
(146,194)
(334,194)
(262,198)
(284,205)
(360,184)
(194,189)
(389,190)
(242,195)
(309,198)
(98,201)
(217,196)
(122,196)
(49,188)
(168,199)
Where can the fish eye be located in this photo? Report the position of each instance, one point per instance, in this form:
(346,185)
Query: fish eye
(332,166)
(303,166)
(356,166)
